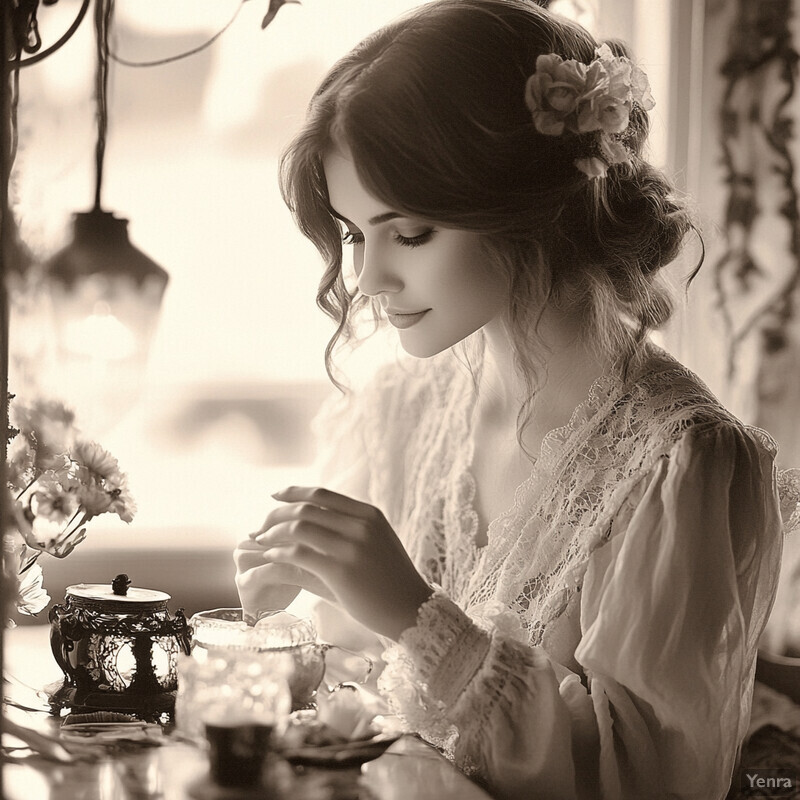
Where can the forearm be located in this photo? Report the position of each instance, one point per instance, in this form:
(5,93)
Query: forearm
(492,705)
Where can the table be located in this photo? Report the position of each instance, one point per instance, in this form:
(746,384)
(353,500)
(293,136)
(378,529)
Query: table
(178,770)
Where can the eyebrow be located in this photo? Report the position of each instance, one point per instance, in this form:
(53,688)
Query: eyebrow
(384,217)
(376,220)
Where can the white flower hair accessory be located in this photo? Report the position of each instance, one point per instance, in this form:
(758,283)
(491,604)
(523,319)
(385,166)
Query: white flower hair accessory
(569,96)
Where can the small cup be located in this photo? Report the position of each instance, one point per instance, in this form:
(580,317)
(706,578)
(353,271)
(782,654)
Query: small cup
(237,752)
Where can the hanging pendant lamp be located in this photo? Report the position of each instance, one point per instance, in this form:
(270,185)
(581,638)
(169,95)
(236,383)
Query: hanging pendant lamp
(106,292)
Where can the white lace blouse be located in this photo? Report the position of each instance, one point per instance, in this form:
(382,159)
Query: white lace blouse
(603,642)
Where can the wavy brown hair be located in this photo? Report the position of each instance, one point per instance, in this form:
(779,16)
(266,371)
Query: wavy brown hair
(432,110)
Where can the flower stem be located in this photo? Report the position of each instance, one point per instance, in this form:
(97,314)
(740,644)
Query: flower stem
(66,533)
(71,521)
(19,496)
(31,561)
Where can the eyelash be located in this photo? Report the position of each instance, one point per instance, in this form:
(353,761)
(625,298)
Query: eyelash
(413,241)
(352,238)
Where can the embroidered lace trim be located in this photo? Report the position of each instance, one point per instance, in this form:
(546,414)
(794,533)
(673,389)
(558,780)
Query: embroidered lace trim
(426,663)
(526,582)
(789,491)
(538,549)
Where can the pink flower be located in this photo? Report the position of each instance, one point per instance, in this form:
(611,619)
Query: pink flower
(571,96)
(94,499)
(640,88)
(611,152)
(123,504)
(553,91)
(98,461)
(592,167)
(52,501)
(58,484)
(606,107)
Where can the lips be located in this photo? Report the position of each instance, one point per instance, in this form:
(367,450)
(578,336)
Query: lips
(400,320)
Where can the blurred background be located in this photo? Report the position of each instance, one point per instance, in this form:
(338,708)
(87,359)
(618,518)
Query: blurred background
(217,415)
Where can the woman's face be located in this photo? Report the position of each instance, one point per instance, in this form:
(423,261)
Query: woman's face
(435,285)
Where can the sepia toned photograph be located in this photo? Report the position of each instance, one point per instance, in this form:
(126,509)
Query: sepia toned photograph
(402,399)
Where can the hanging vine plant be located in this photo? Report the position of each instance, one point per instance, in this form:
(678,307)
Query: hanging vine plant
(756,137)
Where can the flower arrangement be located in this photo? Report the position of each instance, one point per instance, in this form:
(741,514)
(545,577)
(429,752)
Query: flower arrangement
(57,483)
(572,97)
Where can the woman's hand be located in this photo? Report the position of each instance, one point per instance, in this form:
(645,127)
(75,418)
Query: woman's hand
(268,587)
(345,550)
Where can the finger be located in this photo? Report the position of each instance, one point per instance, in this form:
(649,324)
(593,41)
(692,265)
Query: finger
(330,543)
(285,573)
(248,544)
(327,499)
(303,557)
(246,558)
(267,576)
(308,523)
(264,589)
(300,556)
(310,512)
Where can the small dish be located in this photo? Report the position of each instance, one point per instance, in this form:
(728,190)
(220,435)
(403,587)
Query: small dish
(345,754)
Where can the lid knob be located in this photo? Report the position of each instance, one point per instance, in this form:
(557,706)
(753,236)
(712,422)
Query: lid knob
(120,584)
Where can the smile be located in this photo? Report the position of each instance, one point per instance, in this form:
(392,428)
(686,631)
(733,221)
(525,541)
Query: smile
(406,320)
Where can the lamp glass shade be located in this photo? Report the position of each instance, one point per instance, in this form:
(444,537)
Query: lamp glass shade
(106,297)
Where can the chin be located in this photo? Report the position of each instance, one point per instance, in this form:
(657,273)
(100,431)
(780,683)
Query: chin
(422,349)
(422,354)
(428,348)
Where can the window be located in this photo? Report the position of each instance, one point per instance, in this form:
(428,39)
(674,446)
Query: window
(236,367)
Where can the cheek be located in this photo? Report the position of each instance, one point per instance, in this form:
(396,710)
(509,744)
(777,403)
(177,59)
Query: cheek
(358,260)
(352,264)
(481,282)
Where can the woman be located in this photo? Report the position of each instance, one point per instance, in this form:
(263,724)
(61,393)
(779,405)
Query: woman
(567,544)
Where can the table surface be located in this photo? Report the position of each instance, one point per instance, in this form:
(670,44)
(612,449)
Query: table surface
(178,770)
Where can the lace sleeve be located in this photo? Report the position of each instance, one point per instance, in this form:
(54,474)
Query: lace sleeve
(671,610)
(789,492)
(491,703)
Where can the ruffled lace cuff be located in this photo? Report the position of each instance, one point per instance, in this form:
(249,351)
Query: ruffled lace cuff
(789,493)
(431,666)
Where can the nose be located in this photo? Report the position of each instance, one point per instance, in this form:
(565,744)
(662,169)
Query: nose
(375,275)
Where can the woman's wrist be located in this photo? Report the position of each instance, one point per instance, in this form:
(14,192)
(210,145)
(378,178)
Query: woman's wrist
(407,612)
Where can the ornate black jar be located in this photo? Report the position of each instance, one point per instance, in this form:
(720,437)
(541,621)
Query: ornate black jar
(117,647)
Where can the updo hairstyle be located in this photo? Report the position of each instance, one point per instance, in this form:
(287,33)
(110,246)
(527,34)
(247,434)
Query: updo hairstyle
(432,110)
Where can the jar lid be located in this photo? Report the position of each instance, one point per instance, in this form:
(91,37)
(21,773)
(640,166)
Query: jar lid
(103,594)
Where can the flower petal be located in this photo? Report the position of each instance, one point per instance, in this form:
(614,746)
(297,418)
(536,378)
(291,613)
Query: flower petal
(96,459)
(32,597)
(613,151)
(593,167)
(640,88)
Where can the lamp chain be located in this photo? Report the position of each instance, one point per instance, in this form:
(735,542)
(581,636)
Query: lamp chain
(103,13)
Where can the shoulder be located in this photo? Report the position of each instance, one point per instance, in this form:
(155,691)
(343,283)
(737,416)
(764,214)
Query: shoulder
(669,404)
(695,441)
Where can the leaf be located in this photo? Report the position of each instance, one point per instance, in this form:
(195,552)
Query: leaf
(274,7)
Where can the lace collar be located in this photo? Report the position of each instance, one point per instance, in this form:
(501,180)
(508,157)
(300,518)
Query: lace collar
(604,392)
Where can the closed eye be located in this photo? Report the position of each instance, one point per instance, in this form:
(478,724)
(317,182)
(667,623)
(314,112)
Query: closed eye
(414,241)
